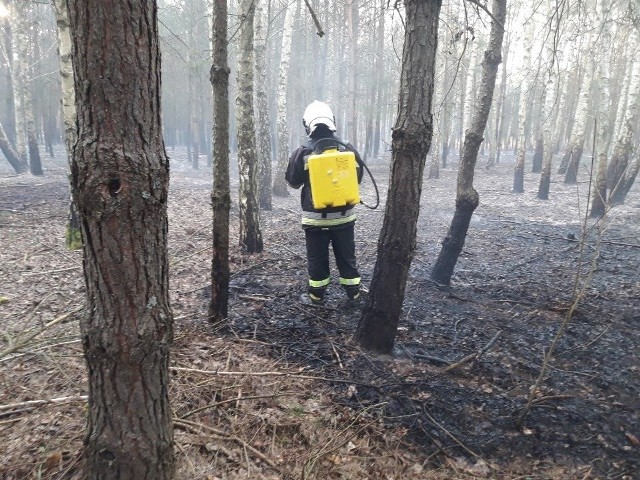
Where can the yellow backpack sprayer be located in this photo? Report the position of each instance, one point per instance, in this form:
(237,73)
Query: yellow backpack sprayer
(333,176)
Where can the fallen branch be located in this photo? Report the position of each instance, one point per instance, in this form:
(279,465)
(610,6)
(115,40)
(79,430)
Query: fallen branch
(238,399)
(273,374)
(474,356)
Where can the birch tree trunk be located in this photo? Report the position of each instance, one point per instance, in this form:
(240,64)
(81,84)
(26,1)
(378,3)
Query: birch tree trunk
(22,56)
(19,78)
(624,145)
(378,325)
(548,127)
(221,194)
(120,180)
(598,203)
(279,183)
(263,132)
(523,111)
(467,198)
(250,235)
(73,239)
(6,50)
(580,127)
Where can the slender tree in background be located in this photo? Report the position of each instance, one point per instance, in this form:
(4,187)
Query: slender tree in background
(550,120)
(73,239)
(579,130)
(18,68)
(467,198)
(120,179)
(20,166)
(598,202)
(621,170)
(263,130)
(24,100)
(221,194)
(523,111)
(250,235)
(279,183)
(411,142)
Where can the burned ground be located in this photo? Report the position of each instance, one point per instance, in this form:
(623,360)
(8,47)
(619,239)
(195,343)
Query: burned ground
(283,391)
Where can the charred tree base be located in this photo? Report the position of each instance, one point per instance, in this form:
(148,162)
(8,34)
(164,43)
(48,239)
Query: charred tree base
(454,241)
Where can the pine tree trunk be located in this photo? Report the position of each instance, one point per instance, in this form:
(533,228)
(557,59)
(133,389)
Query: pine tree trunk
(120,179)
(411,141)
(250,235)
(467,198)
(221,194)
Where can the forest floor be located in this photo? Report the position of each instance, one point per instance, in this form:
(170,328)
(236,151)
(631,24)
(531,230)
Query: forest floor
(284,392)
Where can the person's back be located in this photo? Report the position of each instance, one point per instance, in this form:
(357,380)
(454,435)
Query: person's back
(330,225)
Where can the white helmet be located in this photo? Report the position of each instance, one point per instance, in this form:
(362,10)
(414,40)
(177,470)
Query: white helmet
(318,113)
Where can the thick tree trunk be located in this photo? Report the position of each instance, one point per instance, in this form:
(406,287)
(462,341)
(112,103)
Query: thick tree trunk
(250,235)
(411,141)
(467,198)
(221,194)
(120,178)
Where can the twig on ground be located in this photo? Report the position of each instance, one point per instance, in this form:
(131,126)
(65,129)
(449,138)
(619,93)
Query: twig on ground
(49,272)
(21,342)
(30,404)
(201,428)
(236,399)
(474,356)
(453,437)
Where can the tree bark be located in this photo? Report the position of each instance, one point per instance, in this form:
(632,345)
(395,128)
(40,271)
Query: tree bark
(73,236)
(523,110)
(221,194)
(598,203)
(10,154)
(120,178)
(579,129)
(263,132)
(279,183)
(250,235)
(411,141)
(467,198)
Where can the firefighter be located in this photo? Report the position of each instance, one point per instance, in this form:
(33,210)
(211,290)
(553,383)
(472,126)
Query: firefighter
(332,225)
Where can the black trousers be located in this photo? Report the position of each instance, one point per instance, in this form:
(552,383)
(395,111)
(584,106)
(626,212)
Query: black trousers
(344,250)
